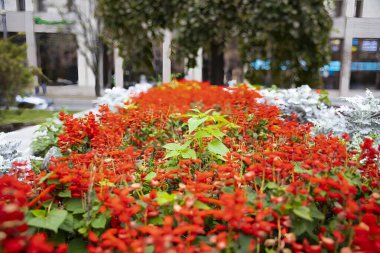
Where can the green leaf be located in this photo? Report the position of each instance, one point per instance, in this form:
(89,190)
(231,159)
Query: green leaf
(39,213)
(142,203)
(77,245)
(83,230)
(65,194)
(194,123)
(100,221)
(244,241)
(68,224)
(271,185)
(202,134)
(172,153)
(172,146)
(164,197)
(156,221)
(299,226)
(79,222)
(303,212)
(201,205)
(150,176)
(189,153)
(149,249)
(299,169)
(74,205)
(315,213)
(228,189)
(217,147)
(43,179)
(106,182)
(57,238)
(215,131)
(51,222)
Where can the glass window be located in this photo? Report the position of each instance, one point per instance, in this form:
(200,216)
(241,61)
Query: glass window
(331,72)
(41,5)
(338,8)
(358,8)
(21,5)
(365,65)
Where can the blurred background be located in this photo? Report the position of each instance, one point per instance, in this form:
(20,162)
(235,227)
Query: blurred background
(77,48)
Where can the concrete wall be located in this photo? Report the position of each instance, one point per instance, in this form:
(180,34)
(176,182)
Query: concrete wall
(371,9)
(15,21)
(10,5)
(55,10)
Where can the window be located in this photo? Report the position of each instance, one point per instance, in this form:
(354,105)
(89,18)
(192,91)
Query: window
(21,5)
(365,66)
(338,8)
(358,8)
(331,72)
(41,5)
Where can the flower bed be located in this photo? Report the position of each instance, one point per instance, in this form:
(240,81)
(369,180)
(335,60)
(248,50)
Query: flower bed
(189,167)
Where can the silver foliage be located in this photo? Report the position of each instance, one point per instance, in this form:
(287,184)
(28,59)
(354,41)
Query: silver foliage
(9,152)
(360,117)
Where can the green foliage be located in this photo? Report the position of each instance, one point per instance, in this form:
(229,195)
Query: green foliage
(47,136)
(15,75)
(204,130)
(24,116)
(136,25)
(294,34)
(51,221)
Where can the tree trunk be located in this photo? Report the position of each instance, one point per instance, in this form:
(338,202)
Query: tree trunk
(97,85)
(217,63)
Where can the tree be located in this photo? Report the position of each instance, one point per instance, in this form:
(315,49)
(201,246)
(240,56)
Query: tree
(134,26)
(290,34)
(15,75)
(88,28)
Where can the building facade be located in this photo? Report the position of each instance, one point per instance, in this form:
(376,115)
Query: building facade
(355,45)
(54,40)
(355,48)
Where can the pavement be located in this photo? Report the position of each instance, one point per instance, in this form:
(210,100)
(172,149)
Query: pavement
(71,98)
(72,104)
(24,137)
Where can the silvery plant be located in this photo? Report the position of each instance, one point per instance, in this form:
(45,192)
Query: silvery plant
(116,97)
(362,116)
(302,100)
(328,121)
(8,154)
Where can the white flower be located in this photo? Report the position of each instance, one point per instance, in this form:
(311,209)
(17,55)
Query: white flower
(116,97)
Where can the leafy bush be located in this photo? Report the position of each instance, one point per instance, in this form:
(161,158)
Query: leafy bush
(15,75)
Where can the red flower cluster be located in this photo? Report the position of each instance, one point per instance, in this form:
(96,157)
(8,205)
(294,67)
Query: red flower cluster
(278,188)
(13,228)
